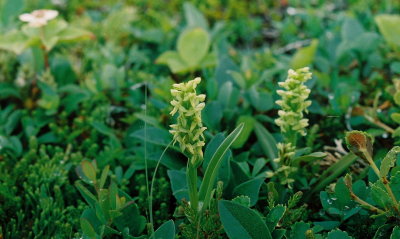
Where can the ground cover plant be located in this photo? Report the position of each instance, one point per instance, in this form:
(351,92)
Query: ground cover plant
(199,119)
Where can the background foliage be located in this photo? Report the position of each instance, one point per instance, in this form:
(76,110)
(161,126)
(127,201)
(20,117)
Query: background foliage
(81,118)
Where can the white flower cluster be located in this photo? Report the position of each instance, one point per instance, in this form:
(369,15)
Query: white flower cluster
(38,18)
(188,130)
(293,102)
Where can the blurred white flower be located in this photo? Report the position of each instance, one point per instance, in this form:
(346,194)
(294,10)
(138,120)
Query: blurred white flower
(20,82)
(38,18)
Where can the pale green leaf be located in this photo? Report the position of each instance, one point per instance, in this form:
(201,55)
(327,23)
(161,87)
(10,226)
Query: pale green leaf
(389,26)
(389,160)
(193,46)
(304,56)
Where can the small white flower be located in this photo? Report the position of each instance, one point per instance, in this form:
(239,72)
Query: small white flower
(20,82)
(38,18)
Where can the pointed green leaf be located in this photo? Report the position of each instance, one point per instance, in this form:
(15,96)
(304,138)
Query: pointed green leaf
(89,170)
(87,229)
(304,56)
(214,164)
(241,222)
(165,231)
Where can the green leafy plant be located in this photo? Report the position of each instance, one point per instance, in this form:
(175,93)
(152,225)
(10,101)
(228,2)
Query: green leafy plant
(110,212)
(42,32)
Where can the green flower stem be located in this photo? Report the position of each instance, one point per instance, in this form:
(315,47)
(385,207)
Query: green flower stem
(371,162)
(188,131)
(191,172)
(45,53)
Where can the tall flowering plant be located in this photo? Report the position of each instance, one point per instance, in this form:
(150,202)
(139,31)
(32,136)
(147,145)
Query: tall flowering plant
(188,131)
(291,119)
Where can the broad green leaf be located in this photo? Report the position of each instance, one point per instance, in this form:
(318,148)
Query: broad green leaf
(9,9)
(394,184)
(250,188)
(117,23)
(328,225)
(89,170)
(383,231)
(395,233)
(86,194)
(389,26)
(212,115)
(389,160)
(174,62)
(266,140)
(214,165)
(242,200)
(165,231)
(51,33)
(209,60)
(71,34)
(241,222)
(342,194)
(193,46)
(380,195)
(87,229)
(178,184)
(304,56)
(153,135)
(14,41)
(396,98)
(226,95)
(8,90)
(274,216)
(262,101)
(351,29)
(338,234)
(299,230)
(249,122)
(131,219)
(395,117)
(278,233)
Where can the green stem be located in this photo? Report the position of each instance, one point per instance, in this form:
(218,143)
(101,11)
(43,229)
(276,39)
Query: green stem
(152,187)
(365,204)
(192,186)
(45,53)
(383,179)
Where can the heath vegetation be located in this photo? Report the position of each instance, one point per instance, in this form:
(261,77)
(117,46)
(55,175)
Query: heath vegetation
(205,119)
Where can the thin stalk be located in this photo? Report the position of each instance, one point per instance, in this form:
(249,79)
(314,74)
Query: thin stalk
(383,179)
(380,124)
(145,151)
(365,204)
(45,53)
(152,187)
